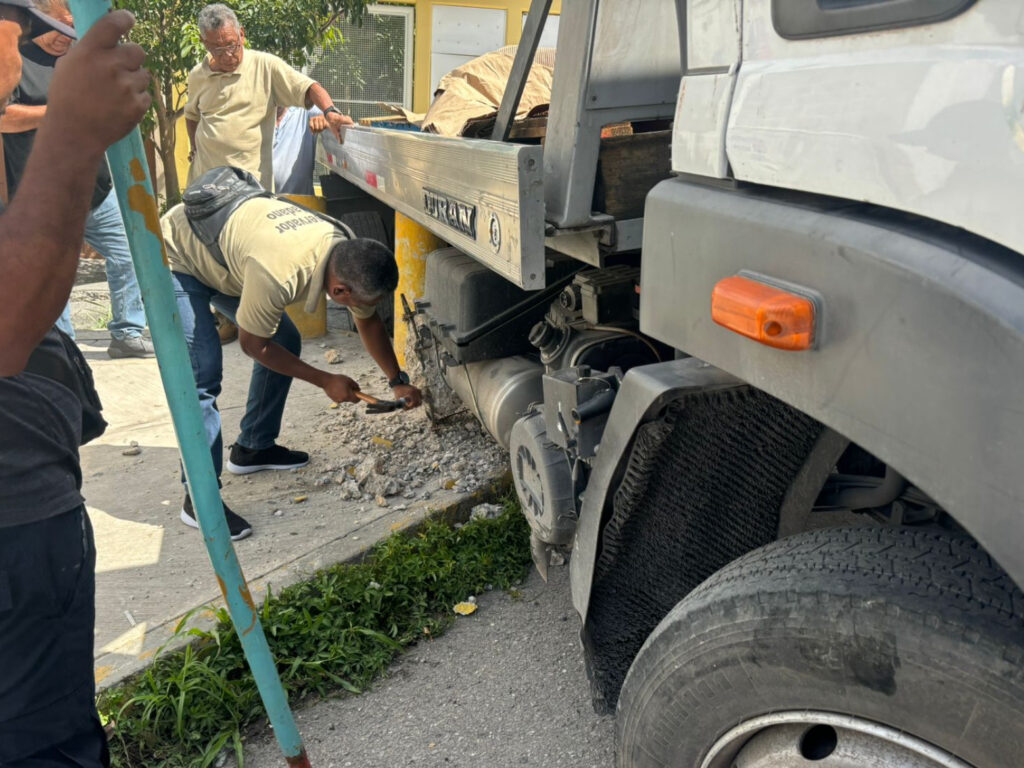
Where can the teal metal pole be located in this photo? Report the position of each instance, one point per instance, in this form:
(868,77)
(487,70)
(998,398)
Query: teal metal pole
(138,206)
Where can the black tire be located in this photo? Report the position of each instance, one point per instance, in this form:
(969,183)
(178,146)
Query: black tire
(913,629)
(367,224)
(370,224)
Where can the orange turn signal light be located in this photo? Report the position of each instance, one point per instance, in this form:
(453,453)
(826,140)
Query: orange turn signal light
(764,313)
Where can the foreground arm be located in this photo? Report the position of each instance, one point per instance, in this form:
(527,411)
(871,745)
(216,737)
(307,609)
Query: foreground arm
(378,344)
(99,88)
(270,354)
(20,118)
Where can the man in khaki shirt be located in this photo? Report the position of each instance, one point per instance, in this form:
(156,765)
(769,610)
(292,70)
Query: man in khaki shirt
(275,253)
(233,98)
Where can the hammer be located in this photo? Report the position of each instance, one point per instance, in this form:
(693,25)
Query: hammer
(374,405)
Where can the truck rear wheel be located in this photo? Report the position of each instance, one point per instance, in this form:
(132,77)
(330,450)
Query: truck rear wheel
(835,648)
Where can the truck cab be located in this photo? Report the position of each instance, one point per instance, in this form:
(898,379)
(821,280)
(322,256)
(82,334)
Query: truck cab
(759,370)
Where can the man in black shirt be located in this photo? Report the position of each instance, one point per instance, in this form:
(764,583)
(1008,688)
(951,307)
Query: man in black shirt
(47,557)
(104,228)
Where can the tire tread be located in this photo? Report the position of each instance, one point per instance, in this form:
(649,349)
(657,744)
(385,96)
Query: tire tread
(931,603)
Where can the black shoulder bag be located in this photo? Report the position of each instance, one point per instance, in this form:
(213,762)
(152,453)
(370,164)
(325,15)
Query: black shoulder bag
(213,197)
(57,357)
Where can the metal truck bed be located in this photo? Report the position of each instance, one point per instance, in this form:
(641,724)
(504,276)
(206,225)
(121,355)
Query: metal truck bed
(501,202)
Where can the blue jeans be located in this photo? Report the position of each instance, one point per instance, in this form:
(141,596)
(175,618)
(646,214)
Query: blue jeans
(104,231)
(268,391)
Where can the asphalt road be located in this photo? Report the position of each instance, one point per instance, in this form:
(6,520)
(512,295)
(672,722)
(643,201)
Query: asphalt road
(503,687)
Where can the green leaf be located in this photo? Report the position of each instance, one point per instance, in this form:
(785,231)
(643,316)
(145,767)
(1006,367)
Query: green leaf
(215,747)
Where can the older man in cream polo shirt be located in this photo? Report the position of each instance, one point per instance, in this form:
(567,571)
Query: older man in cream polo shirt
(233,98)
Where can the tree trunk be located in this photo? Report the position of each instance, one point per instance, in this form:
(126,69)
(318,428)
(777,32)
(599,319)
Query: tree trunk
(165,118)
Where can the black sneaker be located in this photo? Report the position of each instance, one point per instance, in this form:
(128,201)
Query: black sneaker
(237,526)
(244,462)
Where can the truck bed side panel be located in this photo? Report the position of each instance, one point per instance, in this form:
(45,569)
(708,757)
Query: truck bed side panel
(484,197)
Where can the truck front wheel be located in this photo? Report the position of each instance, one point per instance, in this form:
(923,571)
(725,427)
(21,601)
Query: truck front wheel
(835,648)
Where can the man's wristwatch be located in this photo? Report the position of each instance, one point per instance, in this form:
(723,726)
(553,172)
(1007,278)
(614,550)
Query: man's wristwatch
(333,109)
(400,379)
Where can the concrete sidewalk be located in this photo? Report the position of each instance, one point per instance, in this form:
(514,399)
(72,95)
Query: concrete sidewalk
(368,476)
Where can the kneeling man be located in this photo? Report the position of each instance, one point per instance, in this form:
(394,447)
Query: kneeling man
(274,253)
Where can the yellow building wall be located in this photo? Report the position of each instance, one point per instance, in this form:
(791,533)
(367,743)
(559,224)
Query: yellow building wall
(181,153)
(516,9)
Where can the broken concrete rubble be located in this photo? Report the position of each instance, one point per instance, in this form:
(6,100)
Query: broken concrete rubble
(485,511)
(134,500)
(401,454)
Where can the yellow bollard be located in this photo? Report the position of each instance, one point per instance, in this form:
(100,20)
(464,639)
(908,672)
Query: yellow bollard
(311,325)
(412,244)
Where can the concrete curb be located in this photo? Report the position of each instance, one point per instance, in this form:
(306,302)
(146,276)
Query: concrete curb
(112,669)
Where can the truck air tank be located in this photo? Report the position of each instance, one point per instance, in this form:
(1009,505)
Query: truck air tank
(498,391)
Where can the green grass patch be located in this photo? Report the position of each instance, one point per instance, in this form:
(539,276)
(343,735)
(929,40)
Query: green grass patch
(336,632)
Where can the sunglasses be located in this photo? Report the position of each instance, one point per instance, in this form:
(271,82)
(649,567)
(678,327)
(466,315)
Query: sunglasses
(225,50)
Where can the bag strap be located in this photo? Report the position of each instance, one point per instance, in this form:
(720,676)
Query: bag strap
(213,198)
(213,246)
(319,214)
(4,193)
(226,211)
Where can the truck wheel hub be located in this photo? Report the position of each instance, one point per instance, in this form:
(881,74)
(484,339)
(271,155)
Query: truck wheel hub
(822,740)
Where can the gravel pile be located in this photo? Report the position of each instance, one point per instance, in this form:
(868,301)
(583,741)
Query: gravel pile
(392,459)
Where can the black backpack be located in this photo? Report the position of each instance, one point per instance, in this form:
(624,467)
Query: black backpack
(57,357)
(213,197)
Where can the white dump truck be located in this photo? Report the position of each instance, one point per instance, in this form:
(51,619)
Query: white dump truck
(759,363)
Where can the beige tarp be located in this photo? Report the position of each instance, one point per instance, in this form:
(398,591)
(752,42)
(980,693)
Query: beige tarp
(474,90)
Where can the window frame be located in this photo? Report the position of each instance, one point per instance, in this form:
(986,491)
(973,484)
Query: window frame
(808,19)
